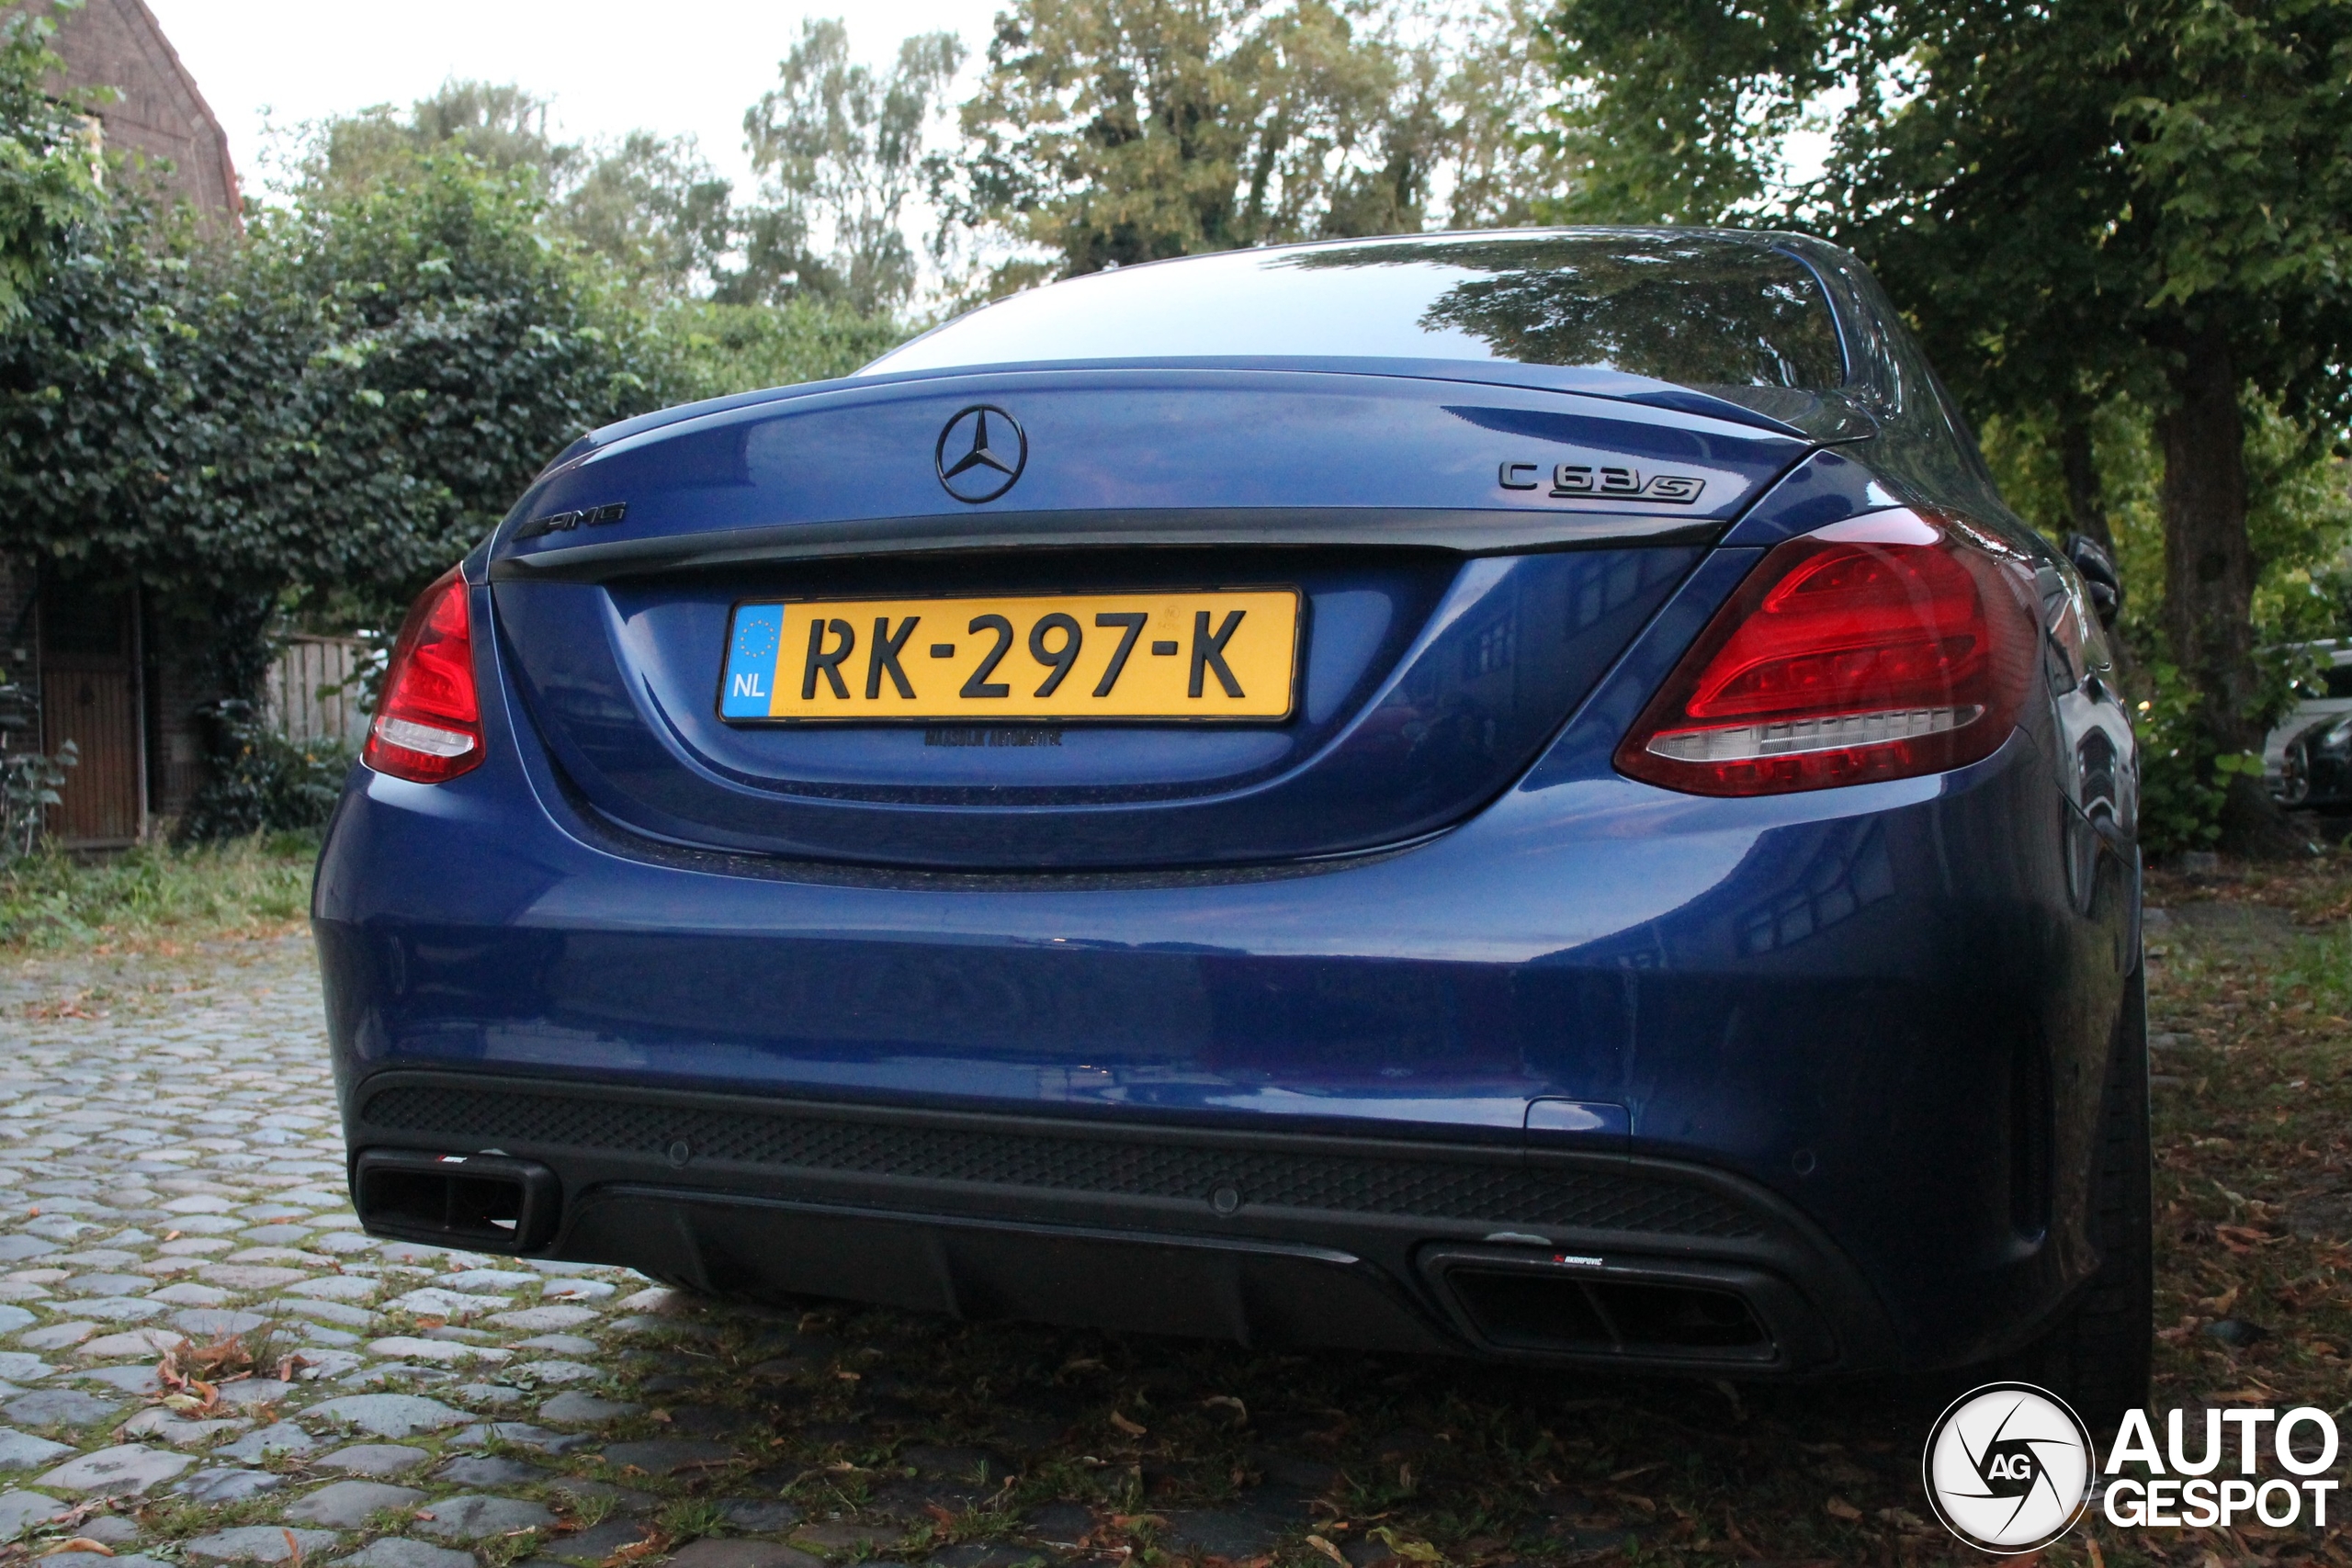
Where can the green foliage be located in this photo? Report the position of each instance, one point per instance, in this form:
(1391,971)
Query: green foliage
(48,166)
(2299,522)
(650,207)
(502,126)
(841,148)
(29,785)
(350,398)
(260,782)
(2180,802)
(1108,132)
(656,211)
(151,892)
(1686,105)
(2108,198)
(463,347)
(336,408)
(2056,194)
(714,350)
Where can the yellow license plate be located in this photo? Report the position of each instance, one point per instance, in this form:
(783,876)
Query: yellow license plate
(1216,654)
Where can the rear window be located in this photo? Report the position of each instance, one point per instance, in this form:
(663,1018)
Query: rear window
(1699,309)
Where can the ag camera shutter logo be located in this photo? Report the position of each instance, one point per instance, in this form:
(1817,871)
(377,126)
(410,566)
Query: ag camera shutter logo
(2010,1466)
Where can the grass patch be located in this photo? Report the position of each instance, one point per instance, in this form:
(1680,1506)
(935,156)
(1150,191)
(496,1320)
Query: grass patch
(156,893)
(689,1518)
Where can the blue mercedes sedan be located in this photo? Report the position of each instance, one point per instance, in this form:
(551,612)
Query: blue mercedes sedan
(1511,794)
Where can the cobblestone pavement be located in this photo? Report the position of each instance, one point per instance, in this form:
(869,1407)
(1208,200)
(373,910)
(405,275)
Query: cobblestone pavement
(204,1360)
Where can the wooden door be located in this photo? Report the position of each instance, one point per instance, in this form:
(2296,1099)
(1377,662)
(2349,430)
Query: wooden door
(89,692)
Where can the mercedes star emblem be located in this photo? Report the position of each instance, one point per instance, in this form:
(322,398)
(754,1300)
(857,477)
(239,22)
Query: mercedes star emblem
(980,453)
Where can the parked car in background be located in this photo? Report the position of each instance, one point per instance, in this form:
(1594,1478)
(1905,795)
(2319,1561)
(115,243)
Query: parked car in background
(1509,794)
(2316,765)
(2325,693)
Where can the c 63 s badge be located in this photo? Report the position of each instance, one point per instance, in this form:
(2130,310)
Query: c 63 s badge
(1591,481)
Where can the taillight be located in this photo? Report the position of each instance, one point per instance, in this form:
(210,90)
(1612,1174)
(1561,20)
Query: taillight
(428,722)
(1889,644)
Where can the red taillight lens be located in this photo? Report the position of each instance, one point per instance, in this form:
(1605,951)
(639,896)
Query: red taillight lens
(1886,646)
(428,722)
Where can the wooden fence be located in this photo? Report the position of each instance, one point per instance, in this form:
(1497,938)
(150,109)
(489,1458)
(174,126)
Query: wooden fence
(314,695)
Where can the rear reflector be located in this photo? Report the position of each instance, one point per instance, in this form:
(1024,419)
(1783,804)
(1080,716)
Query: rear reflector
(428,722)
(1880,647)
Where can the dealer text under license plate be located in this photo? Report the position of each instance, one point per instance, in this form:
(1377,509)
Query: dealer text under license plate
(1227,653)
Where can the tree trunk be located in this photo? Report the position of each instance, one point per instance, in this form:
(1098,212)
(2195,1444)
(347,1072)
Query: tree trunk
(2210,574)
(2087,514)
(2086,499)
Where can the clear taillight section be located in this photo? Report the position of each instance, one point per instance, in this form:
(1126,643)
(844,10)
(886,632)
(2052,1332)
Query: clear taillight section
(1889,645)
(428,722)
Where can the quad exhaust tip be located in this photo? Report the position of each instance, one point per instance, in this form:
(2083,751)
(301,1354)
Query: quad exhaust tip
(483,1202)
(1528,1301)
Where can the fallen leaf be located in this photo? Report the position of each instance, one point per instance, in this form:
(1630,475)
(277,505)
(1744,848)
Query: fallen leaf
(1131,1428)
(171,1235)
(1637,1470)
(1229,1403)
(1328,1550)
(79,1543)
(1405,1546)
(1838,1508)
(635,1551)
(293,1547)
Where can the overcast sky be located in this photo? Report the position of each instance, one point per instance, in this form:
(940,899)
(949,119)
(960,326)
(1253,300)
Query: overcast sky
(609,67)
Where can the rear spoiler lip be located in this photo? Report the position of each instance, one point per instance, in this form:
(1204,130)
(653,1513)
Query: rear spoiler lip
(1841,419)
(1458,531)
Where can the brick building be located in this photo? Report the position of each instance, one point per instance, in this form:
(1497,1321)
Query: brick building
(114,672)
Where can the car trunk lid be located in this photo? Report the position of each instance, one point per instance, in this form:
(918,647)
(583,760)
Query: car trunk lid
(1465,561)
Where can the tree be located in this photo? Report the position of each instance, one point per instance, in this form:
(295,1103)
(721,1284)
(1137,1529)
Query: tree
(841,146)
(336,408)
(1117,131)
(657,210)
(1108,132)
(652,206)
(715,349)
(498,125)
(49,168)
(2071,200)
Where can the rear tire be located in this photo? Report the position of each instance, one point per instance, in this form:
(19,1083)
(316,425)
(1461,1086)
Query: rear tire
(2294,779)
(2099,1356)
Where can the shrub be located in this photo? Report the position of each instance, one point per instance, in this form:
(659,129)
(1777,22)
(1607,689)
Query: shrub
(259,781)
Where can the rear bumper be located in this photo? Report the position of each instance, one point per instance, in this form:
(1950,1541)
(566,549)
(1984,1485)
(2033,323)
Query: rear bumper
(1381,1244)
(1870,1021)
